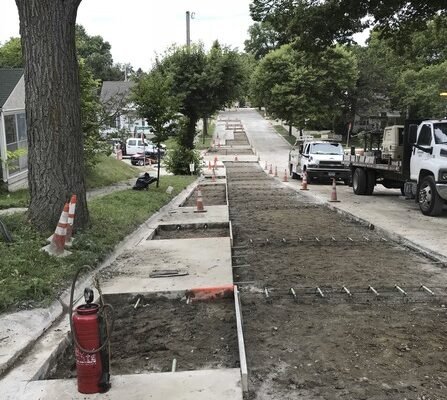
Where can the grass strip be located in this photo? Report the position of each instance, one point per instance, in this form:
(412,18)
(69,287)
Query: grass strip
(285,134)
(107,172)
(30,277)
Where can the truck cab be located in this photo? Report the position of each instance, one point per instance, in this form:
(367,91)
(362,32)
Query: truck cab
(428,166)
(319,159)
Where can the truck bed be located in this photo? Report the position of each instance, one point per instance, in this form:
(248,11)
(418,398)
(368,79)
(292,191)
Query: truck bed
(370,162)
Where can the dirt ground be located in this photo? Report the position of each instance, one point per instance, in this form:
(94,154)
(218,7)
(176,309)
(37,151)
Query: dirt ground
(333,347)
(212,195)
(148,338)
(194,232)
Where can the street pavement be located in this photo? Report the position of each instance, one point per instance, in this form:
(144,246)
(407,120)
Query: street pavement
(386,209)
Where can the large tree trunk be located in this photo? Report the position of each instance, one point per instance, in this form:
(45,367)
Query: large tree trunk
(205,129)
(55,154)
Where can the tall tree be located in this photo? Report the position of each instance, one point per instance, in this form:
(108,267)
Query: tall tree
(263,39)
(11,54)
(318,24)
(52,90)
(203,82)
(154,101)
(302,89)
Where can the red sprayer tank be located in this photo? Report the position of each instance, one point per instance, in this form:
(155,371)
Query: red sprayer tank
(88,366)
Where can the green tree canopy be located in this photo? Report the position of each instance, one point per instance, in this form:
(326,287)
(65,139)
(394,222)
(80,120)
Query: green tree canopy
(202,82)
(263,39)
(318,24)
(302,89)
(11,54)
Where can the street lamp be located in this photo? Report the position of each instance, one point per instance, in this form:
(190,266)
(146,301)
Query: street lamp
(189,17)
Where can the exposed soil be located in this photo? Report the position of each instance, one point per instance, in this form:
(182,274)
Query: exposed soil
(212,195)
(200,335)
(190,232)
(232,151)
(336,346)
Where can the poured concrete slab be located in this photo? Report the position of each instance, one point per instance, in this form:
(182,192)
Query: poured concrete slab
(187,215)
(207,261)
(222,384)
(20,329)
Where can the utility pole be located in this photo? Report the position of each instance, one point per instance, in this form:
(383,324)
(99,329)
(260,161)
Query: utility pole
(188,30)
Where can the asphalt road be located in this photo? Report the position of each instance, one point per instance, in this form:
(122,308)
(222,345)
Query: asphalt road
(386,208)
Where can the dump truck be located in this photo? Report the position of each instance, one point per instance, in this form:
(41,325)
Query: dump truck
(412,158)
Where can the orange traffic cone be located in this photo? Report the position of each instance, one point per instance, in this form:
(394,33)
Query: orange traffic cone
(199,202)
(70,221)
(259,158)
(209,164)
(270,170)
(285,176)
(276,171)
(304,181)
(266,167)
(214,175)
(56,247)
(334,192)
(215,161)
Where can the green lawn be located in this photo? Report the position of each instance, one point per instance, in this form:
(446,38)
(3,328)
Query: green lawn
(107,172)
(14,199)
(206,144)
(29,276)
(285,134)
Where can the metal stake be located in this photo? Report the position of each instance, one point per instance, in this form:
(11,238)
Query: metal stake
(427,290)
(346,290)
(400,290)
(373,290)
(292,290)
(320,292)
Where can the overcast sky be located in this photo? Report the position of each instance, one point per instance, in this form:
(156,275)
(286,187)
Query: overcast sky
(138,29)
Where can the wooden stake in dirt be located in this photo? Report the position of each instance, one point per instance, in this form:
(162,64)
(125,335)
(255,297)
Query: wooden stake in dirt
(174,365)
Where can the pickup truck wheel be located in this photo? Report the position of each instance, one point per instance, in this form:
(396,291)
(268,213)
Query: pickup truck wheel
(370,182)
(141,163)
(430,203)
(359,181)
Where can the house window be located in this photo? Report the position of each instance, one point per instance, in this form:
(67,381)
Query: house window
(16,139)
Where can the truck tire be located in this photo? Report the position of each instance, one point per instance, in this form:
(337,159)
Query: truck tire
(294,175)
(430,203)
(359,181)
(370,182)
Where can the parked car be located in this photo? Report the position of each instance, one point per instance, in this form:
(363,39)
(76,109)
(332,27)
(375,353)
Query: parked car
(140,160)
(136,146)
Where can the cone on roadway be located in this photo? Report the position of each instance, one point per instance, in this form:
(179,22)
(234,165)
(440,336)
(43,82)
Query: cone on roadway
(266,166)
(334,192)
(285,176)
(304,181)
(209,164)
(276,171)
(235,158)
(214,175)
(270,170)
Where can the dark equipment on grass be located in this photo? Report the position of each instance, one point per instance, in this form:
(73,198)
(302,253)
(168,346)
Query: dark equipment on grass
(143,182)
(5,233)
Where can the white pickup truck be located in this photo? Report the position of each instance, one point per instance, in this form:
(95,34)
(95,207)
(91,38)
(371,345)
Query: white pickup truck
(319,159)
(412,158)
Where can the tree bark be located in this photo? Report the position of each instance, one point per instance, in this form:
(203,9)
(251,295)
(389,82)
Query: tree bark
(290,129)
(52,91)
(205,129)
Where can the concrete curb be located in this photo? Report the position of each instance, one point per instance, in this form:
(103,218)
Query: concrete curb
(59,307)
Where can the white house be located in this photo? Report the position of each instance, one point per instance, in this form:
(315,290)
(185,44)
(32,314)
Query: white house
(13,171)
(115,96)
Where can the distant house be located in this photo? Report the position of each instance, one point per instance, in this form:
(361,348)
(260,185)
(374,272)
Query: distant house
(115,97)
(13,171)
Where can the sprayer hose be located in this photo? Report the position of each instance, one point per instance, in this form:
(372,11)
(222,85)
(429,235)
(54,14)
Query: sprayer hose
(73,333)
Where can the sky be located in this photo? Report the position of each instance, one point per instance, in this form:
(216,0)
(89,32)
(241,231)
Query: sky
(137,29)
